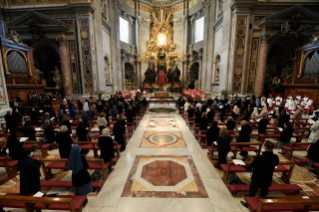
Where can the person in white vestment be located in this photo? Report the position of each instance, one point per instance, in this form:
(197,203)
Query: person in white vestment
(270,102)
(314,135)
(309,103)
(292,106)
(254,114)
(186,105)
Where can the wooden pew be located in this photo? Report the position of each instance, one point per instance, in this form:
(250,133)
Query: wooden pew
(234,147)
(296,146)
(29,145)
(230,167)
(29,203)
(291,203)
(61,164)
(10,166)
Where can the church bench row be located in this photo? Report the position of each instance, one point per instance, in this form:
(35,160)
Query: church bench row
(54,163)
(67,184)
(306,161)
(29,203)
(30,145)
(288,203)
(11,168)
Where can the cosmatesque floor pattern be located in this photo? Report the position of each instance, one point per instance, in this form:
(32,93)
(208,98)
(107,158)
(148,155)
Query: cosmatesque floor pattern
(163,169)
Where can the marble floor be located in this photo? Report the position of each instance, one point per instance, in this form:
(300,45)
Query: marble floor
(164,169)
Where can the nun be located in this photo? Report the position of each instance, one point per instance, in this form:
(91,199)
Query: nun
(81,179)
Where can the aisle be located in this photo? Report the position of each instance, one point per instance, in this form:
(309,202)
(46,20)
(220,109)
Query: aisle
(163,169)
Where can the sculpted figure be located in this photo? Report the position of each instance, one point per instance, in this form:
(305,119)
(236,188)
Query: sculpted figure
(57,77)
(38,74)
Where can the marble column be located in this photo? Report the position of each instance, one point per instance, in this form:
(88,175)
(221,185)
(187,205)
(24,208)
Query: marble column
(65,66)
(261,69)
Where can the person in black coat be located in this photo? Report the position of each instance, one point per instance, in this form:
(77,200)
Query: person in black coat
(66,122)
(29,169)
(281,108)
(106,145)
(34,116)
(51,111)
(198,115)
(49,134)
(284,117)
(14,146)
(204,107)
(223,146)
(244,135)
(190,112)
(81,133)
(80,105)
(29,131)
(212,133)
(99,106)
(65,142)
(313,155)
(203,122)
(230,124)
(262,125)
(210,115)
(246,115)
(263,170)
(285,136)
(11,122)
(129,114)
(62,107)
(118,132)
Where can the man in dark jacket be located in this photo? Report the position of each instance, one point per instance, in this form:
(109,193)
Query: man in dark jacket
(29,173)
(11,122)
(263,169)
(230,124)
(284,117)
(29,131)
(285,136)
(262,125)
(210,115)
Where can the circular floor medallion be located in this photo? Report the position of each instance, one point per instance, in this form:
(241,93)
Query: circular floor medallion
(163,139)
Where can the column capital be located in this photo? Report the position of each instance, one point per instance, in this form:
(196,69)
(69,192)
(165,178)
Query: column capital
(62,40)
(264,38)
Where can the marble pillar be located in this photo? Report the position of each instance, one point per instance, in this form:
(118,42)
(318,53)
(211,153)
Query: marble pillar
(65,66)
(261,69)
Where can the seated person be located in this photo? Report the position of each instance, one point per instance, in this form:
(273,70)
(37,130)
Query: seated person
(101,121)
(106,145)
(263,170)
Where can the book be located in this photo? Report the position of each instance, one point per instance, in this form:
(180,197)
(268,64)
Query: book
(23,139)
(52,118)
(279,128)
(239,162)
(39,194)
(215,143)
(37,128)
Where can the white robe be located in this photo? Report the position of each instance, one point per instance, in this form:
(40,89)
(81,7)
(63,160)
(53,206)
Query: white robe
(86,106)
(309,103)
(292,105)
(314,135)
(270,101)
(186,105)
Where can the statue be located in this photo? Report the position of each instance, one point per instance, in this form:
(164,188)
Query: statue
(172,66)
(217,68)
(161,68)
(176,74)
(57,77)
(149,75)
(38,74)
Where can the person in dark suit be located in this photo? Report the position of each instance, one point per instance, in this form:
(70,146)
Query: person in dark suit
(244,135)
(34,116)
(230,124)
(262,125)
(263,169)
(210,115)
(284,117)
(65,142)
(66,122)
(118,132)
(14,146)
(129,114)
(80,105)
(29,169)
(223,146)
(81,133)
(212,133)
(203,122)
(198,115)
(285,136)
(19,99)
(204,107)
(190,112)
(49,134)
(106,145)
(11,122)
(29,131)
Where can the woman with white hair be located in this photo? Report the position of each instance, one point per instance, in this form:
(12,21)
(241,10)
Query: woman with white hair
(235,112)
(106,145)
(86,106)
(254,114)
(65,142)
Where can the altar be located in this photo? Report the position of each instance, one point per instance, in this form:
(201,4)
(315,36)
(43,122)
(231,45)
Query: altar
(161,95)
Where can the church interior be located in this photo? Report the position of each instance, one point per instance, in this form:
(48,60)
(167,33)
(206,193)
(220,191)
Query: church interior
(159,105)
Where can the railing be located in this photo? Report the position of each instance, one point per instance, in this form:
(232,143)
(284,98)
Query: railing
(24,81)
(311,81)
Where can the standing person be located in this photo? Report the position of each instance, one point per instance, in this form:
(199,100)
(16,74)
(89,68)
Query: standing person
(298,114)
(29,169)
(80,105)
(81,179)
(203,121)
(198,115)
(230,124)
(284,117)
(34,116)
(28,131)
(52,112)
(11,122)
(101,121)
(60,115)
(262,125)
(114,111)
(106,145)
(46,121)
(285,136)
(263,170)
(65,142)
(129,114)
(212,133)
(66,122)
(190,112)
(86,106)
(49,134)
(244,135)
(223,146)
(313,155)
(210,114)
(91,113)
(72,111)
(81,133)
(235,112)
(118,132)
(85,119)
(14,146)
(314,135)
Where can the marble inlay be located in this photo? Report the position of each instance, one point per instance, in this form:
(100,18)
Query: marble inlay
(162,123)
(164,177)
(153,139)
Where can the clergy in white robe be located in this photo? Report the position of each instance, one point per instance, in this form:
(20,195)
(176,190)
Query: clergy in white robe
(314,135)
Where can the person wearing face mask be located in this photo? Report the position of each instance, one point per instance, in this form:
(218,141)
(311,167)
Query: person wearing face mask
(29,169)
(285,136)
